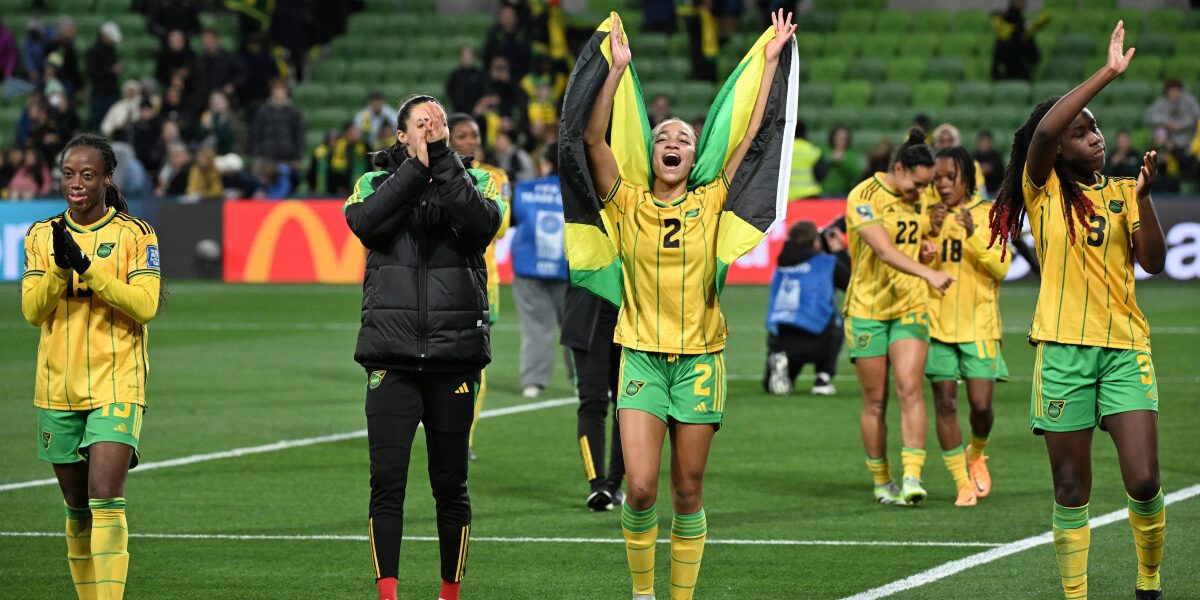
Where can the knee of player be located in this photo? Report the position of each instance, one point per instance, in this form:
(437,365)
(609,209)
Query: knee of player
(686,499)
(640,496)
(1071,493)
(1144,487)
(875,407)
(946,406)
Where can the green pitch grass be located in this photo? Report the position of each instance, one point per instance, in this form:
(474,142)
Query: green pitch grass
(243,366)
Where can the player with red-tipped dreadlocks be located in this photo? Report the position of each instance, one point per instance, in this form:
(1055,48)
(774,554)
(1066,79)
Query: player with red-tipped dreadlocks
(1093,363)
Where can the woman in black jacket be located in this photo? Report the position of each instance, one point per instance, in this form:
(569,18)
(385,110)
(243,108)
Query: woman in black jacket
(425,221)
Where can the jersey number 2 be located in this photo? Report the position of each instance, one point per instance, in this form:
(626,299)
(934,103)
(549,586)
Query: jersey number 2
(671,240)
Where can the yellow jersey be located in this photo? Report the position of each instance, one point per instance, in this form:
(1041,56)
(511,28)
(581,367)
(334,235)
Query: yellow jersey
(92,350)
(668,253)
(969,310)
(876,290)
(500,179)
(1087,293)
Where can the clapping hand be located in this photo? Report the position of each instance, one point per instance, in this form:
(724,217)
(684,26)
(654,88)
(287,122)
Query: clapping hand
(964,218)
(66,250)
(1149,171)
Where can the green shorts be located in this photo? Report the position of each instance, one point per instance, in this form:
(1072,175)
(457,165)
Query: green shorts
(966,360)
(688,388)
(64,435)
(1074,387)
(870,338)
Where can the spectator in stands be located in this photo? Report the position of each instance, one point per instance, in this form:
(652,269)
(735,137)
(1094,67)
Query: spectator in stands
(1170,168)
(10,55)
(217,69)
(318,163)
(376,122)
(173,177)
(509,96)
(130,175)
(1176,111)
(259,70)
(880,159)
(174,55)
(64,46)
(703,38)
(146,134)
(166,16)
(219,127)
(278,127)
(9,161)
(294,28)
(466,84)
(1015,53)
(274,179)
(542,113)
(51,123)
(31,179)
(33,54)
(991,163)
(544,72)
(660,110)
(204,181)
(512,158)
(176,108)
(808,166)
(1124,161)
(946,136)
(347,160)
(508,40)
(124,112)
(104,66)
(843,164)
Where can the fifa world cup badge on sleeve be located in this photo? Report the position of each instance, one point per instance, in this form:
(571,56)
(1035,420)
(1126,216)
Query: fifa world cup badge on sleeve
(865,212)
(151,257)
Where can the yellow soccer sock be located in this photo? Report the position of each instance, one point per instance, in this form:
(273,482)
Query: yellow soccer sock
(640,528)
(479,396)
(913,460)
(1149,520)
(976,448)
(880,470)
(110,547)
(1072,537)
(79,551)
(688,533)
(956,463)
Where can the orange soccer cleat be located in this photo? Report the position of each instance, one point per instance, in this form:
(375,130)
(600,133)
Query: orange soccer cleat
(980,476)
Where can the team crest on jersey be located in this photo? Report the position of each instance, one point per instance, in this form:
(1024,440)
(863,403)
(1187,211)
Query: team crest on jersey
(46,435)
(104,250)
(1054,409)
(865,212)
(1115,206)
(151,257)
(863,340)
(376,379)
(695,212)
(633,387)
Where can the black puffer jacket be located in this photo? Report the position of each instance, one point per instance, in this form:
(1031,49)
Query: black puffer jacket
(425,302)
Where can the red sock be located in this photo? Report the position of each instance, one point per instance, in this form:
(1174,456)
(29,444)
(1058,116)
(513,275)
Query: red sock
(449,591)
(387,588)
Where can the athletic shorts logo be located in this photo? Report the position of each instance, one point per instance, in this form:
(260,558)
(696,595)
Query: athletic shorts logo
(863,340)
(46,435)
(865,212)
(151,257)
(633,387)
(1055,408)
(104,250)
(1115,206)
(376,378)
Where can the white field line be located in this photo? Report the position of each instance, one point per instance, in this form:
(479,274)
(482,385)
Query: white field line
(954,567)
(286,444)
(516,540)
(854,379)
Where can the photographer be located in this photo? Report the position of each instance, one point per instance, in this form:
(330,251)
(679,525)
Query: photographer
(425,220)
(802,321)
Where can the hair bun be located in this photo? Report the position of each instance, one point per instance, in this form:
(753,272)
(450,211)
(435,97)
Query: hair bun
(916,135)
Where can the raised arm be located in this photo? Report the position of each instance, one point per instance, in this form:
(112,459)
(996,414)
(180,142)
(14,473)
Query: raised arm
(601,161)
(783,32)
(1043,147)
(877,238)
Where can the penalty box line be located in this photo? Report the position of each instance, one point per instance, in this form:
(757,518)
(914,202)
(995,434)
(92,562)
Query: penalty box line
(955,567)
(288,444)
(517,540)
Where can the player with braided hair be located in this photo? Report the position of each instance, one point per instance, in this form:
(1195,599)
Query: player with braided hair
(1093,363)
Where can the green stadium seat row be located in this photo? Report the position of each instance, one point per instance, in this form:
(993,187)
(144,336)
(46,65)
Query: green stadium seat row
(976,94)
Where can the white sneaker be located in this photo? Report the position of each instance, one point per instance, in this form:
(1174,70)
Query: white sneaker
(643,597)
(824,385)
(778,382)
(532,391)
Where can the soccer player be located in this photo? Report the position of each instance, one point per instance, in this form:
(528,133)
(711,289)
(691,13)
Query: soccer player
(886,320)
(425,221)
(673,364)
(464,139)
(91,283)
(1093,363)
(965,324)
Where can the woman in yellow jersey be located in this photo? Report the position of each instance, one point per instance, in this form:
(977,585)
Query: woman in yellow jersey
(91,283)
(886,322)
(672,363)
(965,324)
(1093,362)
(464,139)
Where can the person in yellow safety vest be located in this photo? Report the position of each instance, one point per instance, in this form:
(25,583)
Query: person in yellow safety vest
(807,166)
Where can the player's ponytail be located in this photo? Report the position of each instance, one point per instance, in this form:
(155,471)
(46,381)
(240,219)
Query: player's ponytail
(914,152)
(113,198)
(1008,211)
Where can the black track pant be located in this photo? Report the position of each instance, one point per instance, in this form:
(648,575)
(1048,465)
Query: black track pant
(804,348)
(596,372)
(397,401)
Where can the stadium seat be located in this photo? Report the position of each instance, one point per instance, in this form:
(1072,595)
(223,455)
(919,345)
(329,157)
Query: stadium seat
(856,21)
(815,93)
(868,68)
(852,94)
(1121,117)
(1183,68)
(1011,92)
(818,21)
(972,93)
(894,21)
(964,44)
(652,43)
(922,45)
(966,118)
(931,94)
(1155,44)
(807,46)
(1043,89)
(883,117)
(907,68)
(978,68)
(827,69)
(1060,66)
(1149,68)
(865,140)
(841,115)
(933,22)
(974,22)
(842,45)
(1078,44)
(893,93)
(880,46)
(950,69)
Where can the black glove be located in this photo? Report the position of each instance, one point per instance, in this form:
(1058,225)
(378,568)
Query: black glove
(65,245)
(60,249)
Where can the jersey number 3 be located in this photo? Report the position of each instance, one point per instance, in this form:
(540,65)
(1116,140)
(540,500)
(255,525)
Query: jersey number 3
(671,240)
(1096,231)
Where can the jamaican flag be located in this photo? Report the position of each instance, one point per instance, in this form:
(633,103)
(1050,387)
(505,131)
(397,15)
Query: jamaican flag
(757,194)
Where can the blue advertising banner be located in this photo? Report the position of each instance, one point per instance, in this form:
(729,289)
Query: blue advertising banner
(15,219)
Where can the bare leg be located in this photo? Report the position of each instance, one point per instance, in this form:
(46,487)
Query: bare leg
(908,365)
(945,402)
(873,380)
(642,436)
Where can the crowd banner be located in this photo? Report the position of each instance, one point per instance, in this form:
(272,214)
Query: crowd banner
(290,241)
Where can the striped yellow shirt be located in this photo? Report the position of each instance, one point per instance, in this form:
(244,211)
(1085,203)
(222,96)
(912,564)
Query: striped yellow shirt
(876,290)
(969,310)
(499,181)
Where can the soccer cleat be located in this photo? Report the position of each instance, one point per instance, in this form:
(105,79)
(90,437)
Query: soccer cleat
(1148,594)
(618,497)
(823,386)
(966,497)
(600,501)
(778,382)
(980,476)
(888,494)
(911,491)
(532,391)
(643,596)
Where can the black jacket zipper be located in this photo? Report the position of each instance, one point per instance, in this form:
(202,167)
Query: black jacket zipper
(422,300)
